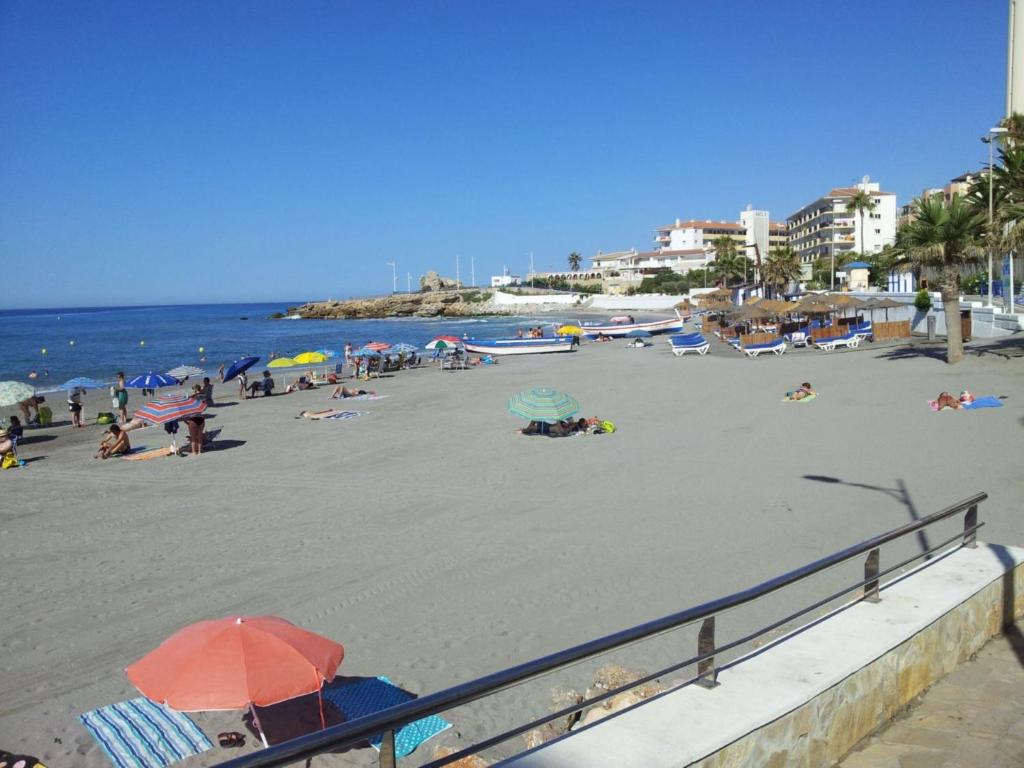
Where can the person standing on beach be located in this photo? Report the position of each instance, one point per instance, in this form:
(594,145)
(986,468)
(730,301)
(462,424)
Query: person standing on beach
(207,392)
(243,383)
(75,406)
(220,373)
(119,397)
(348,353)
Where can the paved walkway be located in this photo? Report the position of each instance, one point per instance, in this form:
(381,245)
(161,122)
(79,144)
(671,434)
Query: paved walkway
(974,718)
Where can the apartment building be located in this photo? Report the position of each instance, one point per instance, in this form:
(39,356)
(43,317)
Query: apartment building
(824,228)
(753,227)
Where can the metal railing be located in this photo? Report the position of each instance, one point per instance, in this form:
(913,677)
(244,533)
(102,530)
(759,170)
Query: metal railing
(387,722)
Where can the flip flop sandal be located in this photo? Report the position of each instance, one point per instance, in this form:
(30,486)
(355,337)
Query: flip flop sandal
(231,739)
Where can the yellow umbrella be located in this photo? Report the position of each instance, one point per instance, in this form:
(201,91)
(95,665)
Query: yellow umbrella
(570,330)
(281,362)
(305,358)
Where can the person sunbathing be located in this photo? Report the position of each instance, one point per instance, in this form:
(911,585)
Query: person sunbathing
(302,383)
(803,391)
(115,443)
(342,392)
(946,400)
(317,415)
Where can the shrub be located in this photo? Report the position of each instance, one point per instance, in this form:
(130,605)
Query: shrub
(923,300)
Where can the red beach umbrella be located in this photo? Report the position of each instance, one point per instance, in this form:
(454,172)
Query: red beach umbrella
(377,346)
(236,662)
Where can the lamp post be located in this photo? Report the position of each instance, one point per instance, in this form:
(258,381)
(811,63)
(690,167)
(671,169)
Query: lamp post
(990,140)
(394,275)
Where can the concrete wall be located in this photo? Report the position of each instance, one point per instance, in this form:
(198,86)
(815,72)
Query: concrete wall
(511,299)
(810,697)
(646,301)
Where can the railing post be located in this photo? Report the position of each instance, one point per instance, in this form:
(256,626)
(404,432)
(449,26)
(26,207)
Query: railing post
(387,750)
(970,521)
(871,577)
(707,675)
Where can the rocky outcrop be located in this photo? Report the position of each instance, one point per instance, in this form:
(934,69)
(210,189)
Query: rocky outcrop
(447,303)
(434,282)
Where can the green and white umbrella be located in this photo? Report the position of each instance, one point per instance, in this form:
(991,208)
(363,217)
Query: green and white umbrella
(548,405)
(13,392)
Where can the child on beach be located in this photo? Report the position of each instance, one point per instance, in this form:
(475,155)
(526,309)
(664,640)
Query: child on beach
(801,392)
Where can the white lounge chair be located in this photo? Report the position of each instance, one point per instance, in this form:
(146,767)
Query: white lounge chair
(798,338)
(848,340)
(777,347)
(693,342)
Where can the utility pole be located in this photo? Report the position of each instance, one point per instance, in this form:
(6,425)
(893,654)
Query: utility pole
(394,276)
(408,282)
(531,269)
(472,271)
(457,285)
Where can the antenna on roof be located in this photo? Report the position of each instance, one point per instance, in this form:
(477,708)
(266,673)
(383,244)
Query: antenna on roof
(866,178)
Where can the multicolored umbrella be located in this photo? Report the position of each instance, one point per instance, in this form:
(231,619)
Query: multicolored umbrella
(82,382)
(151,380)
(306,358)
(282,362)
(444,342)
(13,392)
(367,352)
(164,411)
(542,404)
(240,365)
(174,397)
(184,371)
(378,346)
(403,347)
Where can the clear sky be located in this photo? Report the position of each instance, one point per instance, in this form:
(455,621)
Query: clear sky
(217,151)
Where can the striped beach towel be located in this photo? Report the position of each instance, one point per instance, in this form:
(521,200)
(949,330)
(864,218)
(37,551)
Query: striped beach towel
(373,694)
(140,733)
(346,415)
(365,397)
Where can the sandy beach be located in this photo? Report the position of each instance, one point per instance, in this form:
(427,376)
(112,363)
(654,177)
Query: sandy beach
(437,544)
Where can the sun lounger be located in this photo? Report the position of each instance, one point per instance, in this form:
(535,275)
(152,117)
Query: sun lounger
(693,342)
(798,338)
(863,330)
(776,347)
(848,340)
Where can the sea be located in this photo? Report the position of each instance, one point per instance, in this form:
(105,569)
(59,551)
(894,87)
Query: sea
(46,347)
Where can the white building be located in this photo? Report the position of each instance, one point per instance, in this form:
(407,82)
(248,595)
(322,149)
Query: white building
(636,265)
(504,279)
(824,228)
(753,227)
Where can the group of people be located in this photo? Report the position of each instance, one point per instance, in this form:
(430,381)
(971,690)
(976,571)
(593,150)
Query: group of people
(531,333)
(567,427)
(946,400)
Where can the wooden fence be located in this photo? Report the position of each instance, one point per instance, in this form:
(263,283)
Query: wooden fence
(896,329)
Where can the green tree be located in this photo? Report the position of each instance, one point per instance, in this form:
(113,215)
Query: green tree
(945,237)
(781,267)
(882,263)
(823,272)
(574,261)
(729,265)
(859,204)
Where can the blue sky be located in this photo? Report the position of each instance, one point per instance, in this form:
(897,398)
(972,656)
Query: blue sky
(218,151)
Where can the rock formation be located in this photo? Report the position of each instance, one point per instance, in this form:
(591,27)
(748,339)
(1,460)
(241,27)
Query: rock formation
(447,303)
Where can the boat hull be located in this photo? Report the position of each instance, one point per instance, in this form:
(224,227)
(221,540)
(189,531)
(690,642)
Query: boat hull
(670,325)
(518,346)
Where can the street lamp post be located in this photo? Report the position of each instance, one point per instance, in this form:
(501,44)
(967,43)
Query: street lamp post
(990,140)
(394,275)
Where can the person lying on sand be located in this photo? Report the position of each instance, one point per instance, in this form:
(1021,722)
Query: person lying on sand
(317,415)
(804,390)
(115,443)
(946,400)
(341,392)
(302,383)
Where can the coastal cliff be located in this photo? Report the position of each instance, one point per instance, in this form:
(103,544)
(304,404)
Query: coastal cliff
(446,303)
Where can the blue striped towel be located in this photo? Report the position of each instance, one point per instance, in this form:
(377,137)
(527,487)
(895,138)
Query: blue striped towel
(365,697)
(140,733)
(346,415)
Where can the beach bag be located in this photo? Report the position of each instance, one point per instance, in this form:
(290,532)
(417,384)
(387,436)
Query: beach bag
(607,427)
(45,416)
(104,418)
(9,461)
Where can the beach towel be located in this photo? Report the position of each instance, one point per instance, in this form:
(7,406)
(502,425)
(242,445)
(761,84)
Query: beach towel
(156,453)
(140,733)
(989,401)
(370,695)
(363,397)
(788,399)
(345,414)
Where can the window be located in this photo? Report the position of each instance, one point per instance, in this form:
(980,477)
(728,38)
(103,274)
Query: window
(878,231)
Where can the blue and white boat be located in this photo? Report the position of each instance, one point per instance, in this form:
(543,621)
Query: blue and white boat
(519,346)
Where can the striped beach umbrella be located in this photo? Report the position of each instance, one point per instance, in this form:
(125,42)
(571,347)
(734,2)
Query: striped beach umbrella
(163,411)
(151,380)
(174,397)
(377,346)
(403,347)
(13,392)
(541,404)
(184,371)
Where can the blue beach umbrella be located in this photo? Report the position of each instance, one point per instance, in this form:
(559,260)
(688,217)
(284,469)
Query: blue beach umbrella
(541,404)
(242,364)
(82,382)
(328,353)
(364,352)
(151,380)
(638,333)
(403,347)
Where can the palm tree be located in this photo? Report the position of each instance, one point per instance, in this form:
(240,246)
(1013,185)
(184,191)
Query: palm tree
(946,237)
(860,203)
(574,261)
(728,264)
(822,271)
(781,267)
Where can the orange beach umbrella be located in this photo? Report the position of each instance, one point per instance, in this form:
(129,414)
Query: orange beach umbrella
(236,662)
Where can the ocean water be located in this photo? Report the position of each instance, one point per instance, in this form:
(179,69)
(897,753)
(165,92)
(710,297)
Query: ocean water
(59,344)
